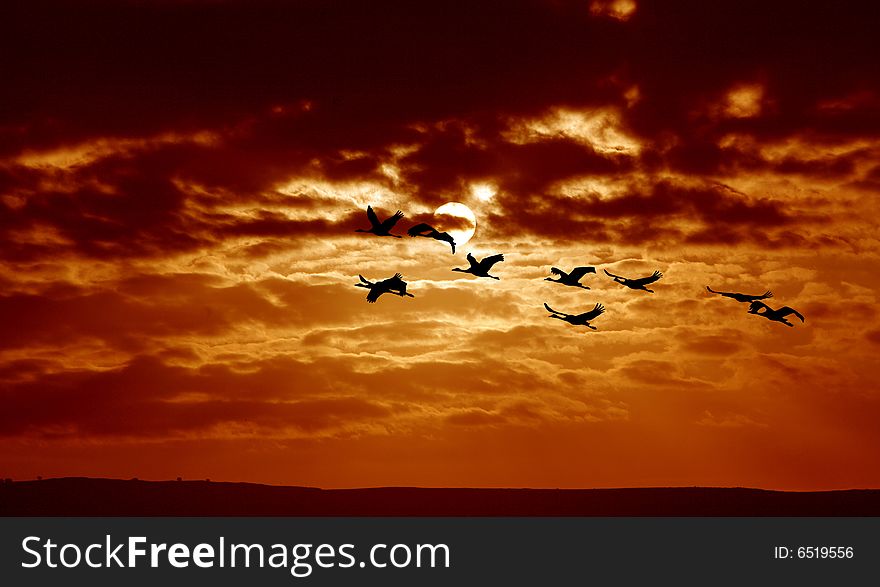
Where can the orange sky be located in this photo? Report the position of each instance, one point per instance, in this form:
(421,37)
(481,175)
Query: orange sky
(179,188)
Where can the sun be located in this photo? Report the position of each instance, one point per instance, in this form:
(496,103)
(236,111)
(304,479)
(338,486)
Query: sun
(456,219)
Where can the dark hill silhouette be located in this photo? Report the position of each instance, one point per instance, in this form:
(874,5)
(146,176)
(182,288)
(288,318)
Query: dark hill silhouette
(78,496)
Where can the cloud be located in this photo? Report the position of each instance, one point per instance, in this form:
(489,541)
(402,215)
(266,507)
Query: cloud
(617,9)
(726,420)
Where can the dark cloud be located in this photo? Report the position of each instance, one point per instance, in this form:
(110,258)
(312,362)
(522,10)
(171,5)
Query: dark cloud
(445,161)
(713,345)
(665,211)
(134,313)
(133,67)
(148,398)
(686,52)
(323,90)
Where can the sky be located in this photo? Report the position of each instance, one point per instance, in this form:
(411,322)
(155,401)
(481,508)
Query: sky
(180,182)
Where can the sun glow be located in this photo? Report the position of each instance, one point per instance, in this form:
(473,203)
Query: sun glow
(484,192)
(616,9)
(600,128)
(744,101)
(459,216)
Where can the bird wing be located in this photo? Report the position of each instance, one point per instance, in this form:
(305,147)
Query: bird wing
(609,274)
(491,260)
(374,294)
(418,229)
(756,305)
(371,214)
(397,284)
(749,298)
(472,260)
(646,280)
(549,309)
(579,272)
(558,271)
(786,310)
(391,283)
(446,237)
(392,220)
(364,280)
(597,310)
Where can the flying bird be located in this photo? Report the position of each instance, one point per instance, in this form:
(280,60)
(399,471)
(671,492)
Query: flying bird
(481,268)
(636,283)
(571,279)
(742,297)
(393,285)
(577,319)
(381,228)
(429,231)
(774,315)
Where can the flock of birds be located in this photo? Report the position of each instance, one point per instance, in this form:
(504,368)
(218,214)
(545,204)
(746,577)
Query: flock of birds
(480,268)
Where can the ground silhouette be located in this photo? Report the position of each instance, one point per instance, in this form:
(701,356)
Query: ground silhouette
(77,496)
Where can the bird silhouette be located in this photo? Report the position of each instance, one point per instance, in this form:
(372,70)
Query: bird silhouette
(393,285)
(636,283)
(774,315)
(577,319)
(381,228)
(571,279)
(742,297)
(481,268)
(429,231)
